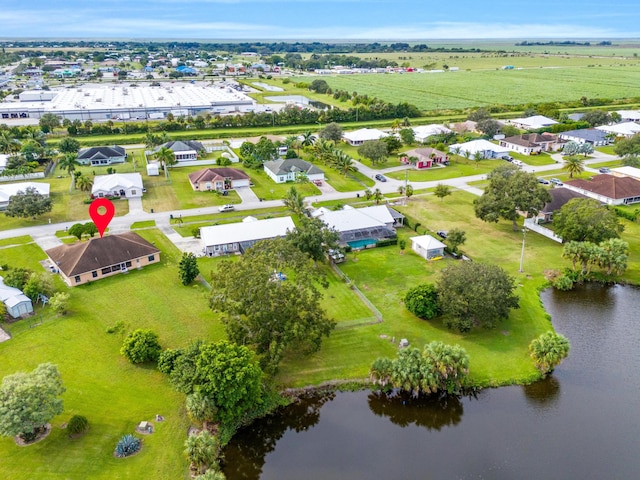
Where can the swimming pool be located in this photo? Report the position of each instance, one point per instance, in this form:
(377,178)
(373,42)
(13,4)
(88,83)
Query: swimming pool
(362,243)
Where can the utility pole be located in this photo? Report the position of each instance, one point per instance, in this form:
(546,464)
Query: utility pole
(524,236)
(406,180)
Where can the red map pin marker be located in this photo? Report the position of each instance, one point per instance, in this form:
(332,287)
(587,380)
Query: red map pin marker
(101,220)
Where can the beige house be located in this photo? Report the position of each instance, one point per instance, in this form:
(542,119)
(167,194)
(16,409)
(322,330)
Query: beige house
(84,262)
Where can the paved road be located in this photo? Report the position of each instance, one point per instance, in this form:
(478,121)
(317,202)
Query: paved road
(44,235)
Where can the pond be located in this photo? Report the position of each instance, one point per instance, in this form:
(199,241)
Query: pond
(583,422)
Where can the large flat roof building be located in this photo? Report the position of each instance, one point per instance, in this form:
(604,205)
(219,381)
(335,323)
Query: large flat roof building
(120,101)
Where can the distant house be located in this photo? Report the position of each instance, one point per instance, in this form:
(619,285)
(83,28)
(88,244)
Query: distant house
(531,143)
(485,148)
(632,172)
(128,185)
(466,126)
(595,137)
(17,303)
(288,170)
(423,132)
(427,247)
(184,150)
(608,189)
(238,237)
(219,179)
(629,115)
(97,258)
(625,129)
(9,190)
(358,137)
(425,157)
(559,197)
(533,122)
(102,156)
(361,227)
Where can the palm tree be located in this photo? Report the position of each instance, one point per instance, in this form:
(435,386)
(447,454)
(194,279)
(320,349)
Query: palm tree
(292,141)
(477,157)
(201,450)
(84,183)
(323,150)
(344,163)
(294,202)
(574,164)
(377,196)
(8,144)
(69,162)
(166,157)
(396,124)
(308,138)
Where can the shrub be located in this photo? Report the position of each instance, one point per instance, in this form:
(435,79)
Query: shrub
(402,244)
(128,445)
(77,424)
(195,232)
(422,301)
(141,346)
(116,327)
(59,303)
(563,283)
(167,360)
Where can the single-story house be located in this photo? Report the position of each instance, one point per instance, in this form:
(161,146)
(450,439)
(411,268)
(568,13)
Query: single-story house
(17,303)
(484,147)
(427,247)
(128,185)
(184,150)
(531,143)
(358,137)
(625,129)
(533,122)
(238,237)
(97,258)
(597,138)
(10,189)
(466,126)
(559,197)
(219,179)
(288,170)
(629,115)
(425,157)
(608,189)
(360,227)
(632,172)
(102,156)
(423,132)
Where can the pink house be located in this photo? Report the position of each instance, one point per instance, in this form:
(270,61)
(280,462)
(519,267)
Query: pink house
(424,157)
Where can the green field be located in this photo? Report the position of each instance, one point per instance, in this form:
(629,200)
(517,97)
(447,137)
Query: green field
(465,89)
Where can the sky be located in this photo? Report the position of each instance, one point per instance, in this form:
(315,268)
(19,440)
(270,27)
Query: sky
(319,20)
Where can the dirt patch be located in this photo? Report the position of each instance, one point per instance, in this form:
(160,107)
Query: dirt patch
(41,436)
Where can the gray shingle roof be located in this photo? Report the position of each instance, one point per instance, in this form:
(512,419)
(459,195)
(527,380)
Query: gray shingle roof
(284,166)
(101,152)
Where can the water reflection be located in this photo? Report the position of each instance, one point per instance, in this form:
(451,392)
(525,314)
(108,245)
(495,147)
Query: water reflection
(403,409)
(245,456)
(544,394)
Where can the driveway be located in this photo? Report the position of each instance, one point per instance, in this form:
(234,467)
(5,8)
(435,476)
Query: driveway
(247,195)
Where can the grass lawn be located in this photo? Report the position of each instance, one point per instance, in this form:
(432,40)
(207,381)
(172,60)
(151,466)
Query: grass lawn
(608,164)
(15,241)
(534,160)
(143,224)
(67,205)
(113,394)
(497,356)
(459,167)
(265,188)
(608,149)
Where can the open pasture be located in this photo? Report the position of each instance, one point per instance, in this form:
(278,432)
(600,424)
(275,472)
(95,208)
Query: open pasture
(465,89)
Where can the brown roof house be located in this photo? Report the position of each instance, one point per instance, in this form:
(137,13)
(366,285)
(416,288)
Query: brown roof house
(608,189)
(559,197)
(424,157)
(84,262)
(219,179)
(532,143)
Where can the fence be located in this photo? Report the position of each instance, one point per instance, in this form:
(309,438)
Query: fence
(377,315)
(26,176)
(532,225)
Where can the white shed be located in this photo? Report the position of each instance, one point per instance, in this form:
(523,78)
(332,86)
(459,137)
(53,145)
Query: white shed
(153,169)
(427,247)
(17,303)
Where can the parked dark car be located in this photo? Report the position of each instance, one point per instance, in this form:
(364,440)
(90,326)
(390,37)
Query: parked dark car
(442,234)
(380,177)
(508,158)
(557,182)
(543,181)
(604,170)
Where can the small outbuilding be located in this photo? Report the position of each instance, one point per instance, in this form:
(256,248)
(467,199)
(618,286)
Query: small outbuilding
(153,169)
(427,247)
(17,303)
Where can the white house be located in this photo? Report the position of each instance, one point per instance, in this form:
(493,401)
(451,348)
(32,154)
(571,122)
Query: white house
(629,115)
(484,147)
(238,237)
(427,247)
(360,227)
(288,170)
(625,129)
(423,132)
(128,185)
(17,303)
(102,156)
(595,137)
(632,172)
(532,123)
(358,137)
(9,190)
(184,150)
